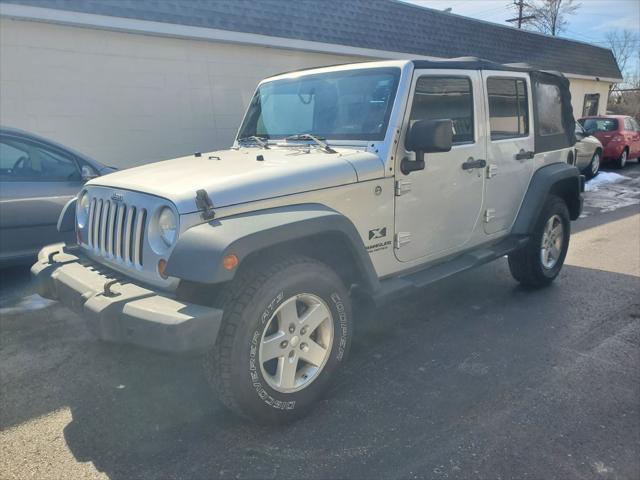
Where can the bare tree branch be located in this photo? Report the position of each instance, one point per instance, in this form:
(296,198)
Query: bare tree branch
(624,45)
(549,16)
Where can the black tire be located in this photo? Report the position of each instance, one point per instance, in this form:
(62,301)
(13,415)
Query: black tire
(526,264)
(593,169)
(621,161)
(233,365)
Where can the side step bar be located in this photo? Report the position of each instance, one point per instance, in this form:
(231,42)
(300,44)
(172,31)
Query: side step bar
(394,288)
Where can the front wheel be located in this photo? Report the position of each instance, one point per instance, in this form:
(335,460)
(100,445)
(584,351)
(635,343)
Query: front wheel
(285,331)
(594,166)
(540,261)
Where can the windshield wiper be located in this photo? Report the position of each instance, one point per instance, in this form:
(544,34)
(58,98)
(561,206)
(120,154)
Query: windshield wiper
(307,136)
(259,140)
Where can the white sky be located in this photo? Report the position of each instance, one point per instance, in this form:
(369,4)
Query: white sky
(590,24)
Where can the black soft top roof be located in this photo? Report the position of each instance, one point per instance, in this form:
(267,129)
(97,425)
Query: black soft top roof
(475,63)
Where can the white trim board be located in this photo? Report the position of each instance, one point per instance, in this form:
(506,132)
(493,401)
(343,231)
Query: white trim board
(146,27)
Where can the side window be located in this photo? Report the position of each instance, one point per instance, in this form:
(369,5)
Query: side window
(627,124)
(25,161)
(56,166)
(549,103)
(590,105)
(438,98)
(11,157)
(508,107)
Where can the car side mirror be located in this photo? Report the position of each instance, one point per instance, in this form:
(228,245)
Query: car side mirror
(87,173)
(426,136)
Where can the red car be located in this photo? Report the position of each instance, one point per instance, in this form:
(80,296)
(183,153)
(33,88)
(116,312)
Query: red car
(619,135)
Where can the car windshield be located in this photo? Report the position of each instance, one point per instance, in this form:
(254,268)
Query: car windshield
(348,105)
(599,124)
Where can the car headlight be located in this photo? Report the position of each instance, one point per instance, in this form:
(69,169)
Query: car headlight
(168,226)
(82,209)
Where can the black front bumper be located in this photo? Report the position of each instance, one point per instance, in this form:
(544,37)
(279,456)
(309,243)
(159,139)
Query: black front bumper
(123,311)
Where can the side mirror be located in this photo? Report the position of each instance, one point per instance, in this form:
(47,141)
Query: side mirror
(87,173)
(426,136)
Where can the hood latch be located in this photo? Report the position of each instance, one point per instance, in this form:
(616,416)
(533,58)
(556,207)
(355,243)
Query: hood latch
(204,203)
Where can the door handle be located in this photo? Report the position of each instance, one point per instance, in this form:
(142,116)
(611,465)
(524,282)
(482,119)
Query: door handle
(471,163)
(522,155)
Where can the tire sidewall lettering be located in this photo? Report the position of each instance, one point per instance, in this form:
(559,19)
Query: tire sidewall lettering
(341,326)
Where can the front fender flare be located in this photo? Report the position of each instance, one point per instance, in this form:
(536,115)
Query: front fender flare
(200,250)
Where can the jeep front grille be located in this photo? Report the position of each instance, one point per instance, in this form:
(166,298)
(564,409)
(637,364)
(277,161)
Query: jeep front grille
(116,230)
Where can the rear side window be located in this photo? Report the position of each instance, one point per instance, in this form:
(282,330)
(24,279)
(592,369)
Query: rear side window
(628,125)
(438,98)
(549,104)
(508,107)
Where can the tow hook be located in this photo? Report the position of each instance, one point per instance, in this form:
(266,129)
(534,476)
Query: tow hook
(107,289)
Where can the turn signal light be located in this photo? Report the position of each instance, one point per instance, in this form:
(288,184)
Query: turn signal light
(229,262)
(162,266)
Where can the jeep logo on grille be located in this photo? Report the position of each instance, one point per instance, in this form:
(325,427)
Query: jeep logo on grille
(117,197)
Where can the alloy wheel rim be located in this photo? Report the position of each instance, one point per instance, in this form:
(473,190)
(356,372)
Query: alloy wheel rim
(552,239)
(296,343)
(595,164)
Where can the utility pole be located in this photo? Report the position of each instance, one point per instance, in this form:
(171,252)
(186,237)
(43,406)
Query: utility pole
(520,4)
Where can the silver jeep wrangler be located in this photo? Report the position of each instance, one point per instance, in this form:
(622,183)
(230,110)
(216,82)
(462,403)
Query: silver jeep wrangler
(365,181)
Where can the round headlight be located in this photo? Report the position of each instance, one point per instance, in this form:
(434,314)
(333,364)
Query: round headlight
(82,210)
(168,226)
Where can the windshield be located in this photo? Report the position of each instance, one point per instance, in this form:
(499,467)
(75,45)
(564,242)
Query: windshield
(599,124)
(348,105)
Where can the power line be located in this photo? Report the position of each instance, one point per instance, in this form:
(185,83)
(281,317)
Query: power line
(520,18)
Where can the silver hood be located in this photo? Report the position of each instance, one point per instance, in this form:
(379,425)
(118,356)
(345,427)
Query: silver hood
(237,176)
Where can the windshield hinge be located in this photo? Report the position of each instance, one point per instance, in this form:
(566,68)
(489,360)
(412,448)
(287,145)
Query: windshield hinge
(204,203)
(402,187)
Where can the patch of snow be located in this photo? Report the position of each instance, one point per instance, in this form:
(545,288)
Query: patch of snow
(30,302)
(614,191)
(603,178)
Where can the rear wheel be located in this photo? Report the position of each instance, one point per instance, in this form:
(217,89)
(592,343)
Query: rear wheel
(285,332)
(621,162)
(594,166)
(540,261)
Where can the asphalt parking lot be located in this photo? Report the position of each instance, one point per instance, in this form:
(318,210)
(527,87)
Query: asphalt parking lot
(475,377)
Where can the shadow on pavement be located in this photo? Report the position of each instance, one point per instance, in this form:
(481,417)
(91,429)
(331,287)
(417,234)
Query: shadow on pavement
(475,377)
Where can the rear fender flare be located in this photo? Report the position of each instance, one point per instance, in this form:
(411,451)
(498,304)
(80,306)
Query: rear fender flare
(558,179)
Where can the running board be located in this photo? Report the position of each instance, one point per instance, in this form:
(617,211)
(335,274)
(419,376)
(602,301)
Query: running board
(396,287)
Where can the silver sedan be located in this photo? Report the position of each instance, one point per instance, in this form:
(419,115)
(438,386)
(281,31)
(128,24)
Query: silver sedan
(588,152)
(37,178)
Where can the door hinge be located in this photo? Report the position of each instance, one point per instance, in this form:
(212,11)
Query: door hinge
(402,238)
(402,187)
(492,170)
(489,214)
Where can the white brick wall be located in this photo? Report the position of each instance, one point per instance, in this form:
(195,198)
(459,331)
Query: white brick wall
(127,99)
